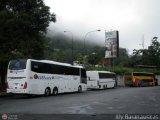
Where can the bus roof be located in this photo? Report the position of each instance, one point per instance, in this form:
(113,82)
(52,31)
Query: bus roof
(139,72)
(54,62)
(96,71)
(57,63)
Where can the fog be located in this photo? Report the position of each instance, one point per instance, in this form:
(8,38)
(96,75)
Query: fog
(136,20)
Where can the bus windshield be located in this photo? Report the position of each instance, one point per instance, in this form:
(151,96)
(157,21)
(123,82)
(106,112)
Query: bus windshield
(17,64)
(142,74)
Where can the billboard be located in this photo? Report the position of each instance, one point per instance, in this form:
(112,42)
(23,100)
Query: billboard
(111,44)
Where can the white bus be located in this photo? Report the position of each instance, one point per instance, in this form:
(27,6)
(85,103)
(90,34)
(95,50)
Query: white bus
(100,79)
(37,77)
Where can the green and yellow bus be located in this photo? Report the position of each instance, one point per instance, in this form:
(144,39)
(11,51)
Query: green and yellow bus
(139,79)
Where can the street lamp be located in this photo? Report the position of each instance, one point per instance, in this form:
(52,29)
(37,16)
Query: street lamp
(72,43)
(85,38)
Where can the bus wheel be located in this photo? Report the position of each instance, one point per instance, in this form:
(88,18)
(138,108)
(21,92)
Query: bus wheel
(55,91)
(79,89)
(114,85)
(139,85)
(47,92)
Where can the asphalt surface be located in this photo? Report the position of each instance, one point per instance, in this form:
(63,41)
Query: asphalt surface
(95,104)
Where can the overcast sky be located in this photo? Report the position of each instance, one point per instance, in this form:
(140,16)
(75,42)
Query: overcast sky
(134,19)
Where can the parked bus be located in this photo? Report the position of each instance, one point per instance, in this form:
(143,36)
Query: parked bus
(28,76)
(100,79)
(139,79)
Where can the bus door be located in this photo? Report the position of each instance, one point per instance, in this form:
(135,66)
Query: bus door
(83,76)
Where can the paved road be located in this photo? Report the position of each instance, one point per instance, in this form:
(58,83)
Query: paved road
(121,100)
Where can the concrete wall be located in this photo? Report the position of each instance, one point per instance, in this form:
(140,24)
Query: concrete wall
(120,80)
(158,77)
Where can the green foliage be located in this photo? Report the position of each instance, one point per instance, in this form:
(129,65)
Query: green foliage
(150,56)
(23,24)
(157,72)
(60,49)
(123,59)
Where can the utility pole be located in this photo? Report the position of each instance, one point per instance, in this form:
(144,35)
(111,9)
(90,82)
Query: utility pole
(142,42)
(72,44)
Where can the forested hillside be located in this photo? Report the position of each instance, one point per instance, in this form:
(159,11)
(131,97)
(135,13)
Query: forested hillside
(59,48)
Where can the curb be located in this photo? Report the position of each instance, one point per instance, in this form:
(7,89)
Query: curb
(2,94)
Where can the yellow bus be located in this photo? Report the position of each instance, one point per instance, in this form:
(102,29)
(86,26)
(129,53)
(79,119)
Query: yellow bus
(139,79)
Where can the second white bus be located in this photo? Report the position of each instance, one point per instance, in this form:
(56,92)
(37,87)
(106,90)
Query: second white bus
(28,76)
(100,79)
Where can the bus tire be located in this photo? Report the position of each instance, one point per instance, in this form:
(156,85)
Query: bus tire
(114,85)
(139,85)
(55,91)
(47,92)
(79,89)
(29,95)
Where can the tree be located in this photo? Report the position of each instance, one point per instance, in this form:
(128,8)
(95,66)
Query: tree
(93,58)
(22,32)
(123,58)
(154,52)
(150,56)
